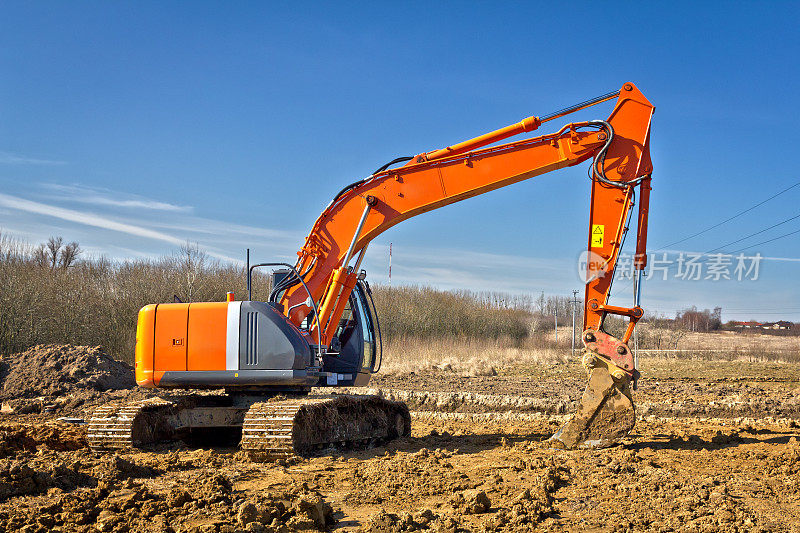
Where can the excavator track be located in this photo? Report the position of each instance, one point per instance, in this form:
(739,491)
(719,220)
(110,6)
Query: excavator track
(120,426)
(267,430)
(273,430)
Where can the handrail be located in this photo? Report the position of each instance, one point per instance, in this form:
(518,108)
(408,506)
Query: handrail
(296,273)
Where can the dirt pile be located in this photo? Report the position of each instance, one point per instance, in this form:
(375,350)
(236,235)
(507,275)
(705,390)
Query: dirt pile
(34,459)
(114,498)
(58,370)
(399,474)
(535,503)
(471,402)
(22,477)
(426,520)
(285,511)
(16,438)
(50,481)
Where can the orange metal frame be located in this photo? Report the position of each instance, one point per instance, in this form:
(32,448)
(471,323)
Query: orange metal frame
(441,177)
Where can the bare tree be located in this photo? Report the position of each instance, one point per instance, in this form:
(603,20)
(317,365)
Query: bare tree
(534,324)
(53,248)
(69,254)
(541,303)
(192,264)
(12,250)
(692,319)
(41,257)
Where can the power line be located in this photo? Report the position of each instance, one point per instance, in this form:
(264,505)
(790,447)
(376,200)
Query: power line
(743,238)
(749,310)
(754,234)
(779,313)
(738,240)
(737,215)
(765,242)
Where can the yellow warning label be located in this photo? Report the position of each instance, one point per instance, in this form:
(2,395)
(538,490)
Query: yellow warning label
(597,235)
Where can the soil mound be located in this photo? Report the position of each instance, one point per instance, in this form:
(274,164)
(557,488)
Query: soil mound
(58,369)
(16,438)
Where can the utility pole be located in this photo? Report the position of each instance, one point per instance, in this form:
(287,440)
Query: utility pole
(574,307)
(390,264)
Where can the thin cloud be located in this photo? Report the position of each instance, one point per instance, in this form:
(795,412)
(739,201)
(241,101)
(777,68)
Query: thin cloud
(227,230)
(88,219)
(222,235)
(7,158)
(472,260)
(467,269)
(133,204)
(105,197)
(443,268)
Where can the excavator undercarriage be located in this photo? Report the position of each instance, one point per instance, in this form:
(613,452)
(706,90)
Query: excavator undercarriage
(270,428)
(319,327)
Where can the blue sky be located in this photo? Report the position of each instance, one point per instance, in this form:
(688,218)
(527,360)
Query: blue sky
(134,127)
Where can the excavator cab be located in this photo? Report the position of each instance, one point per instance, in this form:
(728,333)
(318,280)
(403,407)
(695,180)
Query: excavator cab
(356,348)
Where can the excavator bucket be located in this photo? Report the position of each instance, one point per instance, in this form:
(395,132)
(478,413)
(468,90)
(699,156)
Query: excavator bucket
(605,413)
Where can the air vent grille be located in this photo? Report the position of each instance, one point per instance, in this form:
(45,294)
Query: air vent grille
(251,355)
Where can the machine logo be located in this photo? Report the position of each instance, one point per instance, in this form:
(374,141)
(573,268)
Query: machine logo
(591,266)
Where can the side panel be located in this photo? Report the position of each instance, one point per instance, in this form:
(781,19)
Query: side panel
(267,341)
(170,337)
(206,340)
(145,327)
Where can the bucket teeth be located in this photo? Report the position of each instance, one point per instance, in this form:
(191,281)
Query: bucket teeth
(605,413)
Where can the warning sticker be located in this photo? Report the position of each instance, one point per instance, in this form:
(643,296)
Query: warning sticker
(598,230)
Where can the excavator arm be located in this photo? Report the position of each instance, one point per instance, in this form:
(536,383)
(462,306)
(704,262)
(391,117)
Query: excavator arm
(619,150)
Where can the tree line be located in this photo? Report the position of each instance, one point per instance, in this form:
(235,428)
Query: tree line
(49,293)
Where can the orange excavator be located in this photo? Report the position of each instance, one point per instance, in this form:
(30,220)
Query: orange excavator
(319,327)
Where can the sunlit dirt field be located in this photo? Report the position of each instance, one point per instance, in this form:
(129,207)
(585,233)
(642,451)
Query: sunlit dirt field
(715,449)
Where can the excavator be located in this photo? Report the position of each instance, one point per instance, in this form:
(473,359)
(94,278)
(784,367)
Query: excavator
(319,329)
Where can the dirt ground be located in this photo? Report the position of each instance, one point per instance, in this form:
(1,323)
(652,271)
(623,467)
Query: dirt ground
(715,449)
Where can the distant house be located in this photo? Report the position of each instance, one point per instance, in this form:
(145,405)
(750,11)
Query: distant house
(752,324)
(748,325)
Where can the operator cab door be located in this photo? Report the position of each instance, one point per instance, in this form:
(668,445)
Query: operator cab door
(357,356)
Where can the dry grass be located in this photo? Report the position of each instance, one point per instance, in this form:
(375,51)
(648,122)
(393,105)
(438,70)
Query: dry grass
(729,340)
(427,313)
(721,345)
(473,357)
(467,357)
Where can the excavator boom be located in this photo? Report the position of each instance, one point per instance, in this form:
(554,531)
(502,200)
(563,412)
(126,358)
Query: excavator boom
(465,170)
